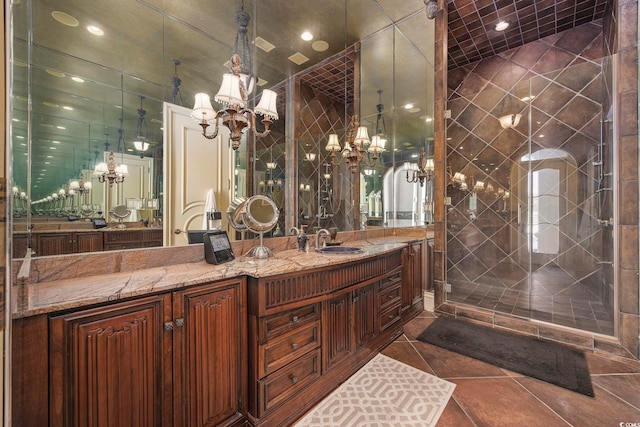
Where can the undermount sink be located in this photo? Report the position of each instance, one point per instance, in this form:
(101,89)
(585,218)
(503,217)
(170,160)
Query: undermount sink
(340,250)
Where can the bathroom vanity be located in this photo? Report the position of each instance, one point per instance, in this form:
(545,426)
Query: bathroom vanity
(256,342)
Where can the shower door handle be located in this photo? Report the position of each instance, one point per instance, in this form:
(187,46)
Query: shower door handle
(519,213)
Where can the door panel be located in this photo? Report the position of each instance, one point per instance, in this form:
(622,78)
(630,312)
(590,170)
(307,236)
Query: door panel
(192,165)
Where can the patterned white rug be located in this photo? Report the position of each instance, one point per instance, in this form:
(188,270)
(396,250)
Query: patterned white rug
(384,392)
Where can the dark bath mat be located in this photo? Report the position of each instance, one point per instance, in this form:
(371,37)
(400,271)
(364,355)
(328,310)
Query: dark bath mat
(547,361)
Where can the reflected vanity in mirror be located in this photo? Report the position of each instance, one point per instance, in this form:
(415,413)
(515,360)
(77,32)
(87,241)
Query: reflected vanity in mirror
(87,103)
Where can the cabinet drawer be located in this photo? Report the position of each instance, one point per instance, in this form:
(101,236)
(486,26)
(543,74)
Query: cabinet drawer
(389,296)
(279,386)
(278,352)
(390,316)
(391,279)
(281,323)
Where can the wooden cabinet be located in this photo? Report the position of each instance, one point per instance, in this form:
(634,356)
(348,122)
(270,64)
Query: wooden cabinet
(412,290)
(310,330)
(132,239)
(71,242)
(209,359)
(109,365)
(60,243)
(171,359)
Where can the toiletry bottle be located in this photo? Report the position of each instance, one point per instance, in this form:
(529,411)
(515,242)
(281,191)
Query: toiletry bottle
(303,240)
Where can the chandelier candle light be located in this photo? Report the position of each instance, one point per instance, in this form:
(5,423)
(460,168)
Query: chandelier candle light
(422,171)
(235,116)
(355,147)
(110,172)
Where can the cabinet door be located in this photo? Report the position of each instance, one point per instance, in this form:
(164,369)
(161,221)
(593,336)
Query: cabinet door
(55,244)
(88,242)
(365,314)
(336,335)
(412,276)
(107,365)
(208,350)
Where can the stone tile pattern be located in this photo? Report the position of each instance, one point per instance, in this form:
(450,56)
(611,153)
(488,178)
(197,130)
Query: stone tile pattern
(486,252)
(384,392)
(471,24)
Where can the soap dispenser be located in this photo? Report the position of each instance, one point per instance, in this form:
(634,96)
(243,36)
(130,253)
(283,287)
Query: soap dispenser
(303,240)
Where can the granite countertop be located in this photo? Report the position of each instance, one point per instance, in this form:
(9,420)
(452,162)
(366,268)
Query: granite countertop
(57,295)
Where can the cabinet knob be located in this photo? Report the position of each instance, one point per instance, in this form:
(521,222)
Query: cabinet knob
(294,379)
(390,296)
(356,299)
(391,316)
(294,346)
(295,319)
(168,326)
(180,322)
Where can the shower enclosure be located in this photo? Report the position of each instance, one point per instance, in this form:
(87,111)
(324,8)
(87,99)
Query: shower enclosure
(531,219)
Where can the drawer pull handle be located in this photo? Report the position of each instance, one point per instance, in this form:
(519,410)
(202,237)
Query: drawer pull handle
(294,346)
(391,316)
(168,326)
(294,379)
(390,296)
(295,319)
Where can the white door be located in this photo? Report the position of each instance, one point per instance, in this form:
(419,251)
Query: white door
(192,166)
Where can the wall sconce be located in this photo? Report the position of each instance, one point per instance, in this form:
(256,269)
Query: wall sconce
(422,171)
(271,165)
(355,147)
(141,143)
(310,157)
(510,120)
(110,172)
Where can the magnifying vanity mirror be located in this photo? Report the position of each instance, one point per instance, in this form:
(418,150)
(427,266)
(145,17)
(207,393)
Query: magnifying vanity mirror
(258,214)
(88,98)
(120,212)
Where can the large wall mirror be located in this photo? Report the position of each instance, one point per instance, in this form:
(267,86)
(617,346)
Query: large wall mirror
(90,78)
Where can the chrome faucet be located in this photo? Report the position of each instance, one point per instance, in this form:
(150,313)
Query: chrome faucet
(319,234)
(294,231)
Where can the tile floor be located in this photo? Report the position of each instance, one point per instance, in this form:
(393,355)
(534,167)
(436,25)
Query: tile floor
(552,299)
(489,396)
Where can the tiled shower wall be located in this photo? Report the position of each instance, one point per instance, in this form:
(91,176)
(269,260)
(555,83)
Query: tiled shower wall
(485,244)
(621,37)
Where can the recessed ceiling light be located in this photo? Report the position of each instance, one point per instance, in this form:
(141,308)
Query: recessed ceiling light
(15,120)
(61,127)
(50,104)
(501,26)
(55,142)
(320,45)
(428,119)
(95,30)
(52,148)
(66,107)
(408,106)
(77,79)
(65,18)
(306,36)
